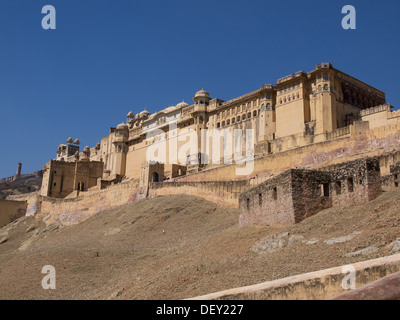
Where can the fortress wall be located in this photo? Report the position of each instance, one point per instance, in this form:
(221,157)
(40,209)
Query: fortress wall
(74,210)
(392,181)
(362,143)
(221,184)
(11,210)
(270,203)
(224,193)
(297,194)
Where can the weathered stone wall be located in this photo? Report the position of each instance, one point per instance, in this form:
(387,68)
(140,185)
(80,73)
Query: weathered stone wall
(11,210)
(392,180)
(309,195)
(270,203)
(297,194)
(75,210)
(224,193)
(355,182)
(286,199)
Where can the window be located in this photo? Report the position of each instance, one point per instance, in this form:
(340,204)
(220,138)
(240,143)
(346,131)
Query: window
(260,200)
(218,125)
(326,87)
(248,203)
(325,189)
(274,193)
(254,113)
(338,187)
(350,184)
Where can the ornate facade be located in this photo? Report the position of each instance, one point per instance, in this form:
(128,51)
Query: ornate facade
(316,104)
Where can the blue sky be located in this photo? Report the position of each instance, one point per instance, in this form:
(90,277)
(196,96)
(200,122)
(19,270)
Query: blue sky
(109,57)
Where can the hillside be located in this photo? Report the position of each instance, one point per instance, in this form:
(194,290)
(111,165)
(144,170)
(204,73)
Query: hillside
(27,184)
(123,253)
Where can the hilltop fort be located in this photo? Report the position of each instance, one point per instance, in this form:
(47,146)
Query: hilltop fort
(321,138)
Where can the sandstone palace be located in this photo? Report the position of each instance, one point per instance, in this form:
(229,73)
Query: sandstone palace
(321,138)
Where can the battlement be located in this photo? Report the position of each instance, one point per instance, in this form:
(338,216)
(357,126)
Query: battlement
(394,114)
(381,108)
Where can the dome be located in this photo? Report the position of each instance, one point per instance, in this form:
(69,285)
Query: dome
(122,126)
(181,105)
(144,114)
(202,93)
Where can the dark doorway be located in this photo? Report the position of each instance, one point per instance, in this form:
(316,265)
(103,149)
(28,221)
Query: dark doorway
(155,177)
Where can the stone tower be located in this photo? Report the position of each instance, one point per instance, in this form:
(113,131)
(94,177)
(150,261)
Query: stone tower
(18,173)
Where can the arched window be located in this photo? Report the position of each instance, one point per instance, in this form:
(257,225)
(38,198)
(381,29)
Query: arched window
(218,125)
(268,107)
(233,120)
(228,122)
(223,123)
(325,87)
(254,113)
(319,88)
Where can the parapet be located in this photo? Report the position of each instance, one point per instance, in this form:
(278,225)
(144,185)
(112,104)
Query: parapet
(376,109)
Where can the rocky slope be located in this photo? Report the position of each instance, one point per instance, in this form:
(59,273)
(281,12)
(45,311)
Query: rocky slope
(177,247)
